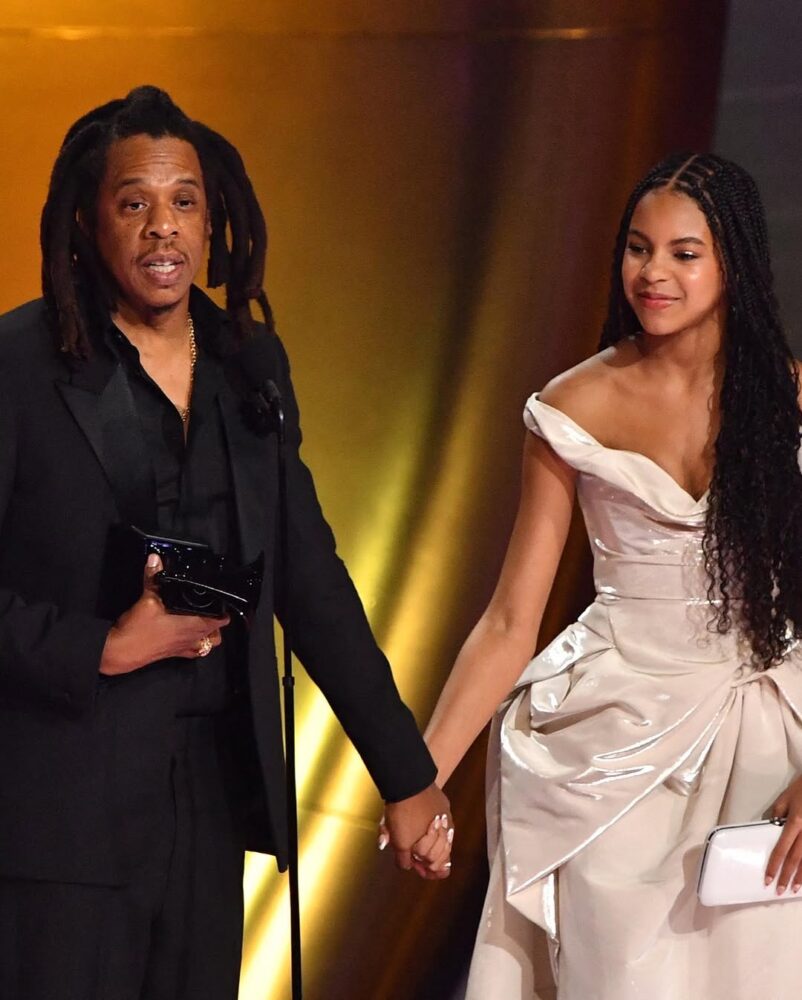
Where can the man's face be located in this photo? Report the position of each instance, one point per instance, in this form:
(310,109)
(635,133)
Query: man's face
(151,222)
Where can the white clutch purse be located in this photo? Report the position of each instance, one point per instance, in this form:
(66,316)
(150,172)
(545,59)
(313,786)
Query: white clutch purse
(734,863)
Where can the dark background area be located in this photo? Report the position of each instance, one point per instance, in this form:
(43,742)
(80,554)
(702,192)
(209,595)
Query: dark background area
(759,125)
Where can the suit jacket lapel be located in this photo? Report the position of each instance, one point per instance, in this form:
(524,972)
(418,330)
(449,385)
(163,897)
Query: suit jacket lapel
(252,458)
(99,398)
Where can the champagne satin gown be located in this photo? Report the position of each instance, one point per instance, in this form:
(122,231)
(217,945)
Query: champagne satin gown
(626,740)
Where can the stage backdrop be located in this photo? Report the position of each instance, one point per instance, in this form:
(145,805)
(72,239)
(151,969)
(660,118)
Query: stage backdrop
(442,182)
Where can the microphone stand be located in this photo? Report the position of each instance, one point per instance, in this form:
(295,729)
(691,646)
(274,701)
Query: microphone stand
(272,397)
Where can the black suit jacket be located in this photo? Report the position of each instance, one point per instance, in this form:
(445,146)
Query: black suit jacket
(77,749)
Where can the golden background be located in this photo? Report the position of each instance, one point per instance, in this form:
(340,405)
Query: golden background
(442,183)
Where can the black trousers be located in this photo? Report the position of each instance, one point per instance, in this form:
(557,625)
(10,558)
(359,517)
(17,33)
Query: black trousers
(174,932)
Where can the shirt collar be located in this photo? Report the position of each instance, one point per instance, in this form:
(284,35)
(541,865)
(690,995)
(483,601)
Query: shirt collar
(212,331)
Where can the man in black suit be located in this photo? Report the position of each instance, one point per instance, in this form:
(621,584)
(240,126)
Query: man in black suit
(140,751)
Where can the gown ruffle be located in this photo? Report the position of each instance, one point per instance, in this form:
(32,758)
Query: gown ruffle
(625,741)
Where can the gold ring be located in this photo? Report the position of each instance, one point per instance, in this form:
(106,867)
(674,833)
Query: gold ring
(205,646)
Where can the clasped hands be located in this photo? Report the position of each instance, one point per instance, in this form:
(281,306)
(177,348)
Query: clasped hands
(420,832)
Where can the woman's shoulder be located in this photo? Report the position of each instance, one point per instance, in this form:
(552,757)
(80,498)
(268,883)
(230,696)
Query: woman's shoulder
(588,392)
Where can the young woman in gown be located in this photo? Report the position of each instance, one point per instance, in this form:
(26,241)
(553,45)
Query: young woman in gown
(673,704)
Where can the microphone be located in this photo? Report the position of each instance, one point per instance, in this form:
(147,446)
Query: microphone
(273,394)
(256,362)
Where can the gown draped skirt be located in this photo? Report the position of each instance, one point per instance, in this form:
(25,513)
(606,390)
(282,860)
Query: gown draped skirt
(625,741)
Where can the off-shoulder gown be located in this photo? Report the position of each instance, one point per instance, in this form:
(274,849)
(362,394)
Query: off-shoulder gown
(626,740)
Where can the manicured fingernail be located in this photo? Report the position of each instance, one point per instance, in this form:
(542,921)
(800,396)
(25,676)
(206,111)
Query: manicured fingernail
(153,560)
(437,822)
(768,880)
(795,887)
(444,819)
(384,840)
(447,865)
(780,889)
(450,835)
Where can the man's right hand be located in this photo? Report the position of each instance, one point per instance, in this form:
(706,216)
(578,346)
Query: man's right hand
(148,632)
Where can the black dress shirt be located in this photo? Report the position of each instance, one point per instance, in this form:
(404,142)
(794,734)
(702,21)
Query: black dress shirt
(195,502)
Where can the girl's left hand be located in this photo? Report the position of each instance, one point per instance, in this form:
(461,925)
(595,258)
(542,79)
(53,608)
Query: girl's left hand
(786,857)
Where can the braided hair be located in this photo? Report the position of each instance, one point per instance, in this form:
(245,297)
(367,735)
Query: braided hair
(74,282)
(753,534)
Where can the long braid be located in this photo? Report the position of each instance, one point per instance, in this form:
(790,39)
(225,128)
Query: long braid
(753,534)
(74,282)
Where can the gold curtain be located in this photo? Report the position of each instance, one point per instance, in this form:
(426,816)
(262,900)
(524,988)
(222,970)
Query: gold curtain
(442,183)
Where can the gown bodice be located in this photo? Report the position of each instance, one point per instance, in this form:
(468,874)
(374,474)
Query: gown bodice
(644,529)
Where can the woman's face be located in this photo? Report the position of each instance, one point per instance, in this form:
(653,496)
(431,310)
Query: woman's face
(671,272)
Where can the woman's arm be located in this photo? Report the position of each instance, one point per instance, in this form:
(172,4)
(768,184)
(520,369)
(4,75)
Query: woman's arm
(503,640)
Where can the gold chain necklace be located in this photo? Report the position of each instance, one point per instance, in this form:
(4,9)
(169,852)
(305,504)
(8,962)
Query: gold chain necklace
(193,357)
